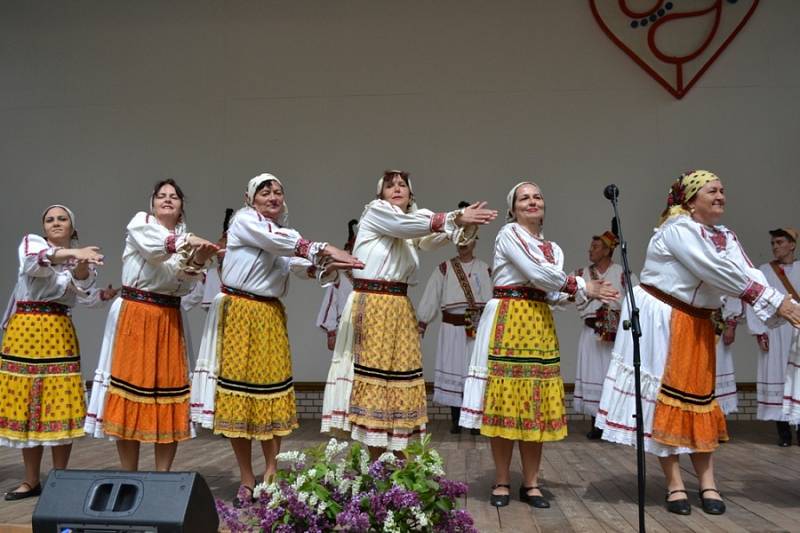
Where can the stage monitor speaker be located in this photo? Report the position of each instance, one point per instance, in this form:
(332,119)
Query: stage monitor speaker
(102,501)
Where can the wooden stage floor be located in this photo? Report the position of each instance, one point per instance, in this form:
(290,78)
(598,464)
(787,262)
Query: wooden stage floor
(591,485)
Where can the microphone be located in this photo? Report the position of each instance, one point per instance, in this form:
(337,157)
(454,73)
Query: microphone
(611,192)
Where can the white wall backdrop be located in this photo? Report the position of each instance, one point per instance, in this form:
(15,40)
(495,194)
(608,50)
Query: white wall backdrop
(99,99)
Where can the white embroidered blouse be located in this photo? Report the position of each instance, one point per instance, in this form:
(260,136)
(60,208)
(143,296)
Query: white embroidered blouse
(40,280)
(260,255)
(522,259)
(698,264)
(388,240)
(155,259)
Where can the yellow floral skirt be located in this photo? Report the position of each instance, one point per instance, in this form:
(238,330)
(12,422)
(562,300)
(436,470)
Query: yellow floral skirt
(41,392)
(255,390)
(525,393)
(388,400)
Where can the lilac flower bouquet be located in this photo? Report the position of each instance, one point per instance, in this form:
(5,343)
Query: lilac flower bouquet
(334,487)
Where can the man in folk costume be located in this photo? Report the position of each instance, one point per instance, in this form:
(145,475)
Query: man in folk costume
(600,323)
(458,288)
(783,273)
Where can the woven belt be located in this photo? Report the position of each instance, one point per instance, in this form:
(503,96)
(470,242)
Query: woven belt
(249,295)
(137,295)
(697,312)
(520,293)
(453,319)
(378,286)
(48,308)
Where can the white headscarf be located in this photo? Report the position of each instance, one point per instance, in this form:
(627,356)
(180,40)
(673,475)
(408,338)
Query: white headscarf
(510,216)
(253,185)
(379,189)
(74,237)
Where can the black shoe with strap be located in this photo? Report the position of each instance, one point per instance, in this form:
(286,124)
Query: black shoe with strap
(712,506)
(500,500)
(244,497)
(22,494)
(681,506)
(533,500)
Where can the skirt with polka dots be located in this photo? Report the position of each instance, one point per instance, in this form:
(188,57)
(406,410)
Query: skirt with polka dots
(41,391)
(255,390)
(524,397)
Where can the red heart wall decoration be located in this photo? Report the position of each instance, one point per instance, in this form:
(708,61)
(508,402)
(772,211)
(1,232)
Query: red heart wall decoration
(673,41)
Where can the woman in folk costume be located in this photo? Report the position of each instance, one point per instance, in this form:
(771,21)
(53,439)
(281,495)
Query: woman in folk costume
(601,321)
(691,262)
(375,388)
(40,376)
(458,290)
(330,313)
(514,391)
(726,319)
(140,391)
(242,386)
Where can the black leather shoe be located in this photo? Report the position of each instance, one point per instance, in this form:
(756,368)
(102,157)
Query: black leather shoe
(534,501)
(474,431)
(21,495)
(499,500)
(244,497)
(595,434)
(455,429)
(681,506)
(712,506)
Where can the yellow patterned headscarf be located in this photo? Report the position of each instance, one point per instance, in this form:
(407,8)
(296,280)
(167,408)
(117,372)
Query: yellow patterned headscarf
(683,190)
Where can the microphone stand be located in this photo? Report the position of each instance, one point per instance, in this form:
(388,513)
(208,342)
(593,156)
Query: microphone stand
(632,325)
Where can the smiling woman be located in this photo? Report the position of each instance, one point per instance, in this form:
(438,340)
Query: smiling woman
(140,391)
(691,263)
(242,386)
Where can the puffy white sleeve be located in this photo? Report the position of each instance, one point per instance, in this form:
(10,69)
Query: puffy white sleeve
(383,218)
(327,316)
(35,255)
(544,275)
(431,302)
(718,266)
(152,240)
(248,228)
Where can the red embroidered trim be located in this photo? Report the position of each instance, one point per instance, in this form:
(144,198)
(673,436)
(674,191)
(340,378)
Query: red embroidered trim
(525,246)
(752,293)
(332,333)
(443,268)
(311,271)
(169,243)
(437,222)
(42,259)
(302,247)
(719,239)
(547,249)
(571,285)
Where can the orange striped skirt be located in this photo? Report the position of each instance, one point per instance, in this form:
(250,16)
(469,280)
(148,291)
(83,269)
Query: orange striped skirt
(148,394)
(686,413)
